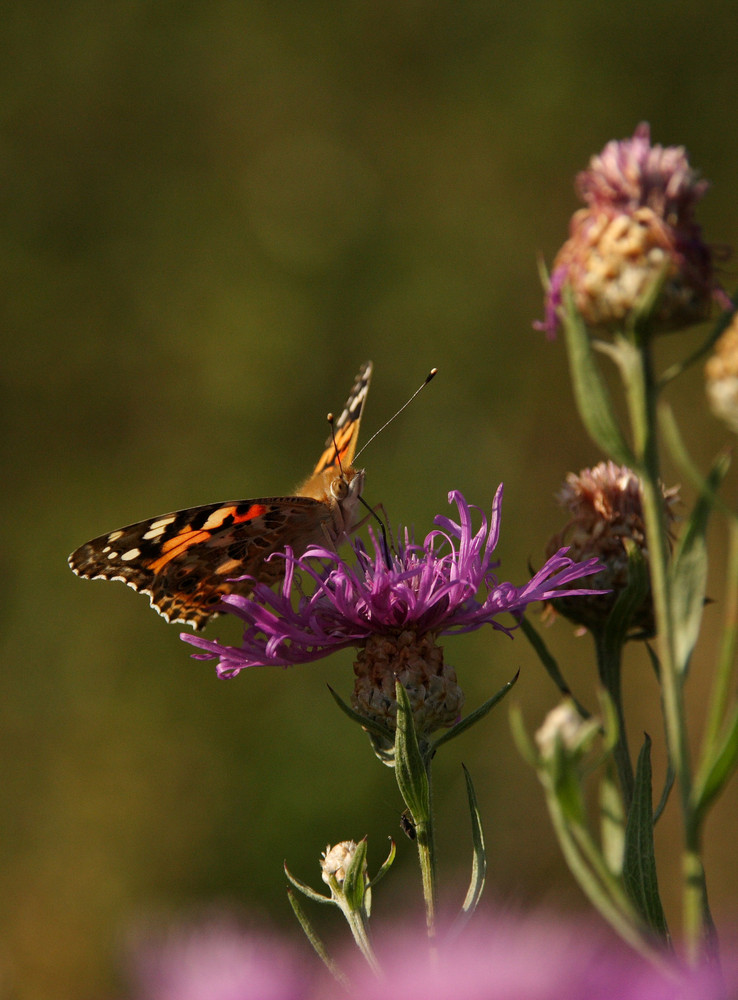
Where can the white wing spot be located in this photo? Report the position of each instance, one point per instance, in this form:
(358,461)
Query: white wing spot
(155,530)
(131,554)
(161,522)
(114,536)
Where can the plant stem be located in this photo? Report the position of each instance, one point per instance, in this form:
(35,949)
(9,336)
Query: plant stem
(425,839)
(723,688)
(641,391)
(608,665)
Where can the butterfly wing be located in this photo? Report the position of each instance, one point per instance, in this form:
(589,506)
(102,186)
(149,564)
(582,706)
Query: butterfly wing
(184,561)
(340,453)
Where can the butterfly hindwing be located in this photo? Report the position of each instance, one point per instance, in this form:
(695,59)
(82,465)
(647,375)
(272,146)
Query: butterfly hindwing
(186,561)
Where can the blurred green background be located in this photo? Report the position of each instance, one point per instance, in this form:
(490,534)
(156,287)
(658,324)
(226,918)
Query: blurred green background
(212,213)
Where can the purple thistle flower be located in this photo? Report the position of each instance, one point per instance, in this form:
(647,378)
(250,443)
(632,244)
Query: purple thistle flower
(431,588)
(638,227)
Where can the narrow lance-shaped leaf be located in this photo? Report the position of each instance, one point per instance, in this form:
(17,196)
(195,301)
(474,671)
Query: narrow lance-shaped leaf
(639,867)
(689,570)
(550,664)
(592,398)
(476,715)
(315,940)
(612,823)
(715,772)
(410,772)
(479,862)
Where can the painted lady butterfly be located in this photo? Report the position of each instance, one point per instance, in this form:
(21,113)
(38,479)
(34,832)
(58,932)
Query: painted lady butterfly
(184,561)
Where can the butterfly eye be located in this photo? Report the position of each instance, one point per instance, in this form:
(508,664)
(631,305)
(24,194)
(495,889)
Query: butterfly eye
(339,488)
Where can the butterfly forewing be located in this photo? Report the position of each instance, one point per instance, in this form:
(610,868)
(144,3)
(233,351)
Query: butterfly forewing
(187,560)
(340,447)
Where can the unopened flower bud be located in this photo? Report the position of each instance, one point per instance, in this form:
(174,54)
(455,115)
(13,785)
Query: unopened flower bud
(336,860)
(638,226)
(564,726)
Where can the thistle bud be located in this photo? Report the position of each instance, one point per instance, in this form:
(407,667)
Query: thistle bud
(336,860)
(564,727)
(605,508)
(637,227)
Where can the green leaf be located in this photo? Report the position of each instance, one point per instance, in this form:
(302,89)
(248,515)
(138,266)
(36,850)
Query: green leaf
(639,865)
(689,570)
(479,863)
(612,823)
(370,725)
(386,866)
(354,884)
(716,771)
(523,742)
(474,716)
(592,398)
(305,889)
(665,791)
(315,940)
(549,663)
(723,322)
(410,772)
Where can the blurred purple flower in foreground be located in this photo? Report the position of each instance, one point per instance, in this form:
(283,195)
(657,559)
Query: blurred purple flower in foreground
(512,958)
(498,957)
(426,590)
(218,959)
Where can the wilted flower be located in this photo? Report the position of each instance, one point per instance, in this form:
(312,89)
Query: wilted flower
(605,507)
(394,607)
(721,374)
(638,225)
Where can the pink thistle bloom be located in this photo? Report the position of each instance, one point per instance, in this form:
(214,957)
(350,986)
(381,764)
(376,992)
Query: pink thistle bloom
(445,585)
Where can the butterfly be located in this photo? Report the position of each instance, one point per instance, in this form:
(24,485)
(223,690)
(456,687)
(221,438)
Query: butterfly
(186,561)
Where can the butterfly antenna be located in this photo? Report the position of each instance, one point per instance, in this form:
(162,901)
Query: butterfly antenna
(431,375)
(380,522)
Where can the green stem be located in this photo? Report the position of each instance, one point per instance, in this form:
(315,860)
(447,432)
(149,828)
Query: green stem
(425,839)
(641,391)
(608,665)
(357,923)
(723,688)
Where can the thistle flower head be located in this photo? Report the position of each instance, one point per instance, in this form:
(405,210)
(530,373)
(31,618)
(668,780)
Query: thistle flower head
(606,511)
(445,585)
(394,607)
(637,228)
